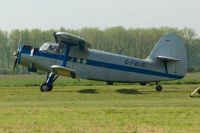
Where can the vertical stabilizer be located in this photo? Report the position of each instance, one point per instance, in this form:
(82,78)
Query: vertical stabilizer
(172,52)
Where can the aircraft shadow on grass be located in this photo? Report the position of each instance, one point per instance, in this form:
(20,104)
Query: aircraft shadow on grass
(195,97)
(165,91)
(122,91)
(128,91)
(94,91)
(88,91)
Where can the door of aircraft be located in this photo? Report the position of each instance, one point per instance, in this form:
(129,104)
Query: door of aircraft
(63,53)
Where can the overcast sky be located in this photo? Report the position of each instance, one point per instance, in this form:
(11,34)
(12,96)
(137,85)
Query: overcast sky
(75,14)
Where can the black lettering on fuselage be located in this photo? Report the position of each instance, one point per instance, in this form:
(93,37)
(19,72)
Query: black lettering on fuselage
(135,63)
(126,62)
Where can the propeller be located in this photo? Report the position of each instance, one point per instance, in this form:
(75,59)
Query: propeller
(56,38)
(16,53)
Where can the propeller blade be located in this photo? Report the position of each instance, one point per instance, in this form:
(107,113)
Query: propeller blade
(55,37)
(15,64)
(20,38)
(15,54)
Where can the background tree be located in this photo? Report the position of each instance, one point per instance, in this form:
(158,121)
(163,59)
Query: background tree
(136,42)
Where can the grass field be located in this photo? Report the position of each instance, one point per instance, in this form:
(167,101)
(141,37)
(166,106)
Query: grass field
(89,106)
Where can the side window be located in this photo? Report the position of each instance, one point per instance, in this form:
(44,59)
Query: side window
(52,48)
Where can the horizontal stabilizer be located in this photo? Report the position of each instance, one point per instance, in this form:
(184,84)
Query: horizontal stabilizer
(169,59)
(64,71)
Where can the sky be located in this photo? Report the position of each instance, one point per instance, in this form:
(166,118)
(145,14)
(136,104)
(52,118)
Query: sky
(76,14)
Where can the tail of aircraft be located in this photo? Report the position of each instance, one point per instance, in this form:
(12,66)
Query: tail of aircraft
(172,53)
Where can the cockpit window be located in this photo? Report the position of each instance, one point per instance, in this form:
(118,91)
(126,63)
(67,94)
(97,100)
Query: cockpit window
(44,47)
(49,47)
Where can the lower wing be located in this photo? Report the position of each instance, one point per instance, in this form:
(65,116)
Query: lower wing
(64,71)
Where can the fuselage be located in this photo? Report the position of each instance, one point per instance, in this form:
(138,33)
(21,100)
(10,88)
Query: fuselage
(99,65)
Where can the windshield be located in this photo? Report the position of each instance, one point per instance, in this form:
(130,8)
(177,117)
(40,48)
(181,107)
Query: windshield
(49,47)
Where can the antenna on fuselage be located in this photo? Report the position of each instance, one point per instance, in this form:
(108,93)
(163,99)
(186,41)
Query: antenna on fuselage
(122,50)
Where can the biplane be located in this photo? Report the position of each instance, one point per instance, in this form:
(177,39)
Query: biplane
(73,57)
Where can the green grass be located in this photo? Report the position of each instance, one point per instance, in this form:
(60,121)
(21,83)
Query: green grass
(95,107)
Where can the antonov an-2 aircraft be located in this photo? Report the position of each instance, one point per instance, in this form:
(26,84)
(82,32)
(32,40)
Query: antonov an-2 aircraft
(71,56)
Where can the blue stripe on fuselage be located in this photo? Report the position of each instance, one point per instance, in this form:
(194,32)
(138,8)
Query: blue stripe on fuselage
(106,65)
(44,54)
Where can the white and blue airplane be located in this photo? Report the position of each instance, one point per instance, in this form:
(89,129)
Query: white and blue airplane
(71,56)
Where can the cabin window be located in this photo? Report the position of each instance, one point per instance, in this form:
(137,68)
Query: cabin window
(78,60)
(84,61)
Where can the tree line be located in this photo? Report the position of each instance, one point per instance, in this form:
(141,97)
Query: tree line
(136,42)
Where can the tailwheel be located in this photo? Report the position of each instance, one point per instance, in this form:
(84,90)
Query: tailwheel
(109,83)
(158,87)
(44,87)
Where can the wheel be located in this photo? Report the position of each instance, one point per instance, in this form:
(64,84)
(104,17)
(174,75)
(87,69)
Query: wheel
(44,87)
(109,83)
(158,87)
(198,91)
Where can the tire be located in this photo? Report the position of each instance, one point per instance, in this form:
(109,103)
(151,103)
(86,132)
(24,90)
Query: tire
(44,87)
(158,88)
(109,83)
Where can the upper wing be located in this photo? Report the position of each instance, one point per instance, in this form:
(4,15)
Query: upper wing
(63,38)
(64,71)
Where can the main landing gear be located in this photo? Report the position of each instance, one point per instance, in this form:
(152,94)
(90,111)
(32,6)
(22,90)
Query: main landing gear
(47,85)
(158,87)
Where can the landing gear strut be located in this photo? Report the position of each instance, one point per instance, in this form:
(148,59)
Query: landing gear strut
(158,87)
(47,85)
